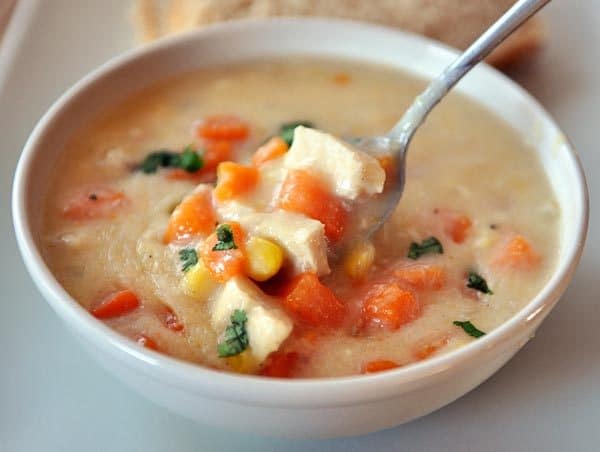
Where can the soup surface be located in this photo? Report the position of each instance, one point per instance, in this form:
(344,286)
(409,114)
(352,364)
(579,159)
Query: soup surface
(243,273)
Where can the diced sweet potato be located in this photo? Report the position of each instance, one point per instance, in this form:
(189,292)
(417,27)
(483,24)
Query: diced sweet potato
(226,263)
(280,364)
(304,193)
(516,253)
(389,306)
(234,180)
(223,127)
(313,303)
(147,342)
(456,225)
(422,276)
(93,203)
(378,366)
(194,216)
(272,149)
(116,304)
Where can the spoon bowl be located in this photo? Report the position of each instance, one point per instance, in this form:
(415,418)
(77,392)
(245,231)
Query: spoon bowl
(397,140)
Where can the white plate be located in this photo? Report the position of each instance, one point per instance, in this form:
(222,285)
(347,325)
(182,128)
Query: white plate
(53,397)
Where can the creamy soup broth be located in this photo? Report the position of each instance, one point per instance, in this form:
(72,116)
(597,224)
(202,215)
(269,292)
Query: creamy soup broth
(472,183)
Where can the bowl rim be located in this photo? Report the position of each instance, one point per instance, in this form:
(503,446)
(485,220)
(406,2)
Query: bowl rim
(261,391)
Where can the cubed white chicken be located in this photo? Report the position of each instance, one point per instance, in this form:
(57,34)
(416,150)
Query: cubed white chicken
(267,325)
(302,238)
(348,171)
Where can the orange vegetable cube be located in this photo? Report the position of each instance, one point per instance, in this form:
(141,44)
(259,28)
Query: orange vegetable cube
(116,304)
(378,366)
(312,302)
(223,127)
(456,225)
(223,264)
(94,203)
(427,350)
(216,152)
(304,193)
(194,216)
(422,276)
(516,253)
(147,342)
(280,364)
(234,179)
(389,306)
(272,149)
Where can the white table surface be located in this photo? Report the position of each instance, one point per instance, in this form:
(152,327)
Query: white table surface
(53,397)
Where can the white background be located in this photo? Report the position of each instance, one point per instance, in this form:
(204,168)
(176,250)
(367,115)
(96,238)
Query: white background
(53,397)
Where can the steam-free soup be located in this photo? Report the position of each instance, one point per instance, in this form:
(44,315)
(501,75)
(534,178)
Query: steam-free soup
(204,217)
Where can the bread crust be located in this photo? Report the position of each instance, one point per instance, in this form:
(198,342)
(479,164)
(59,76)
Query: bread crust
(455,22)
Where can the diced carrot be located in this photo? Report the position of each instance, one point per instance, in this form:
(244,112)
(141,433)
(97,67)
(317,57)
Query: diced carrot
(223,127)
(116,304)
(280,364)
(516,253)
(456,225)
(194,216)
(234,179)
(312,302)
(224,264)
(378,366)
(422,276)
(272,149)
(304,193)
(216,152)
(181,174)
(94,203)
(147,342)
(171,321)
(390,307)
(341,78)
(427,350)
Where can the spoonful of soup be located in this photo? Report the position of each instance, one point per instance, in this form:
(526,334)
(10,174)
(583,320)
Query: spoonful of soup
(394,145)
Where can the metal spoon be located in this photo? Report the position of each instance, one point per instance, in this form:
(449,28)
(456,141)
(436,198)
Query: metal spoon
(397,140)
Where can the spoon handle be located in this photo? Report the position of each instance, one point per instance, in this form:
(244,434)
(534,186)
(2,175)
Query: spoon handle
(404,129)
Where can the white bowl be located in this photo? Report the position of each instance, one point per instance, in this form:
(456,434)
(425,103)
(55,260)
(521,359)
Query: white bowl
(315,407)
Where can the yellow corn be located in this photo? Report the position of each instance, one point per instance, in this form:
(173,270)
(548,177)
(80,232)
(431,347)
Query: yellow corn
(244,363)
(264,258)
(359,260)
(197,282)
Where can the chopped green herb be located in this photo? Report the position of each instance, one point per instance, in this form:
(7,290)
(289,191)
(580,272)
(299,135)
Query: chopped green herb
(225,239)
(188,257)
(469,328)
(188,160)
(235,338)
(286,131)
(430,245)
(157,159)
(477,282)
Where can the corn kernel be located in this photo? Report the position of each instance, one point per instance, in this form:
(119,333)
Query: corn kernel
(244,363)
(264,258)
(359,260)
(197,282)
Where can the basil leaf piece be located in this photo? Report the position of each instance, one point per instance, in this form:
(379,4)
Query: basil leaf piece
(477,282)
(188,257)
(235,338)
(469,328)
(286,131)
(427,246)
(225,239)
(161,158)
(190,160)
